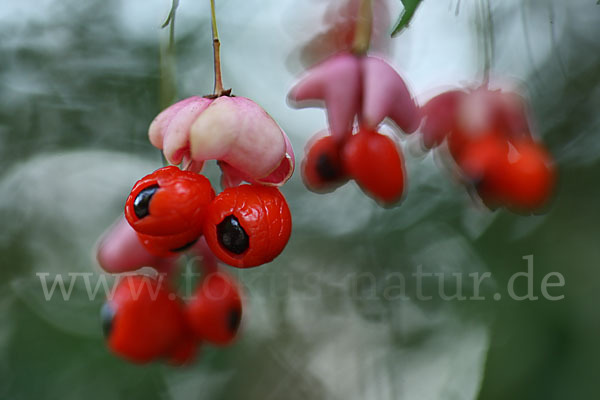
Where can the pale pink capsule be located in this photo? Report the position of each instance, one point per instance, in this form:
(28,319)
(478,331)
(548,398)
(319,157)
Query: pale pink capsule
(336,82)
(385,94)
(233,130)
(238,132)
(170,130)
(233,177)
(119,250)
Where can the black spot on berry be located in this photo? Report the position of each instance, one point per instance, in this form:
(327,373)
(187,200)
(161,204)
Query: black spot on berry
(107,315)
(141,203)
(327,169)
(232,236)
(233,319)
(185,246)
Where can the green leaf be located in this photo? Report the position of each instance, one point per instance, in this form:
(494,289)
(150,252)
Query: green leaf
(410,6)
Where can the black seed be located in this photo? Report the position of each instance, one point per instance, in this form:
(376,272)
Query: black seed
(233,320)
(142,201)
(107,315)
(232,236)
(185,246)
(326,168)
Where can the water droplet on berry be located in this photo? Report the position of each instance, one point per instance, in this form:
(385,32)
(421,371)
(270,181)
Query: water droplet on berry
(141,203)
(232,236)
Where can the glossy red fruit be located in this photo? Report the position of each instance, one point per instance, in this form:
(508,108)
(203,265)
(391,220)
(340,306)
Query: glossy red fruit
(215,312)
(480,155)
(527,177)
(479,160)
(375,161)
(169,245)
(185,350)
(483,110)
(322,168)
(248,225)
(144,320)
(169,205)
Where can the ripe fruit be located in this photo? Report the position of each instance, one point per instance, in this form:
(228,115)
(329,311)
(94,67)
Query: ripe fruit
(459,140)
(167,209)
(322,169)
(165,246)
(248,225)
(479,160)
(144,320)
(216,311)
(526,178)
(185,350)
(478,156)
(375,162)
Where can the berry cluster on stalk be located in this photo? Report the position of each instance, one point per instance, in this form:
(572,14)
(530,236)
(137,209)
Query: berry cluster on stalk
(175,210)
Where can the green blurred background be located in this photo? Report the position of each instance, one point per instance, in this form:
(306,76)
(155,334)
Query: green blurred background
(79,85)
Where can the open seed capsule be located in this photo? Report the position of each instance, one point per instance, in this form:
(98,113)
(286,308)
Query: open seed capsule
(167,209)
(248,225)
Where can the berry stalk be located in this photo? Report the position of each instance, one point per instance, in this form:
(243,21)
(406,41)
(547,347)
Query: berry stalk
(218,90)
(364,23)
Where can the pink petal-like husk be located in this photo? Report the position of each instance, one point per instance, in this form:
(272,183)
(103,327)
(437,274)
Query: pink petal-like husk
(337,82)
(170,129)
(285,169)
(386,95)
(335,33)
(237,131)
(233,177)
(513,113)
(439,117)
(119,250)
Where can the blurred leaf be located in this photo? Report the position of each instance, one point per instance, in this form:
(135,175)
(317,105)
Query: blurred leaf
(410,6)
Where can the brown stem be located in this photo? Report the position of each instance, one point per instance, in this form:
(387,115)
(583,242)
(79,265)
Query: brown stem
(218,90)
(364,24)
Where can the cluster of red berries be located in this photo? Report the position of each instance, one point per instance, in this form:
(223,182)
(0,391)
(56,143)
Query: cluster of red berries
(488,136)
(244,226)
(372,159)
(361,90)
(169,211)
(145,320)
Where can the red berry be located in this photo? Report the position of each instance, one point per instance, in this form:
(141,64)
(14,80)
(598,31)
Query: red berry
(216,311)
(167,208)
(169,245)
(144,320)
(527,177)
(478,156)
(248,225)
(184,351)
(478,161)
(375,162)
(322,168)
